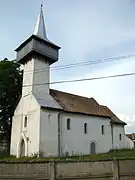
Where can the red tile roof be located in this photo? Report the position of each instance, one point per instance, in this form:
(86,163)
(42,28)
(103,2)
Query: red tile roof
(79,104)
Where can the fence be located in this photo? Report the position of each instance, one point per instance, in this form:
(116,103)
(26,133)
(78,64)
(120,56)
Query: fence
(102,170)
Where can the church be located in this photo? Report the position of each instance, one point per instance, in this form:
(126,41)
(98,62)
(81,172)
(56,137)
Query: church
(48,122)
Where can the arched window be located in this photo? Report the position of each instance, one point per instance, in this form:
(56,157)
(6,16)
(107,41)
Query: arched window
(120,137)
(85,128)
(25,121)
(68,124)
(102,130)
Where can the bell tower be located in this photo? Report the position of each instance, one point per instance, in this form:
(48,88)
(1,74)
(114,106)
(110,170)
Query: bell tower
(37,53)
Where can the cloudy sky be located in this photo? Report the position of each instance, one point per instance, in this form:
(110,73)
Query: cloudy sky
(86,30)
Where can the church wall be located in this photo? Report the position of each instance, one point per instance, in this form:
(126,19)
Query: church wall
(41,76)
(75,141)
(16,133)
(49,133)
(28,77)
(36,71)
(32,132)
(124,142)
(117,130)
(29,107)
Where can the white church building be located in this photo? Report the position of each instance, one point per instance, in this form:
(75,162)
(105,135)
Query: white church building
(49,122)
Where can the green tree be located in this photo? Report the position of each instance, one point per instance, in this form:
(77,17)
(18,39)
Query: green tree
(10,91)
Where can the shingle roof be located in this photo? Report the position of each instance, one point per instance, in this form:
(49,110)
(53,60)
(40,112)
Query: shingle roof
(47,101)
(114,118)
(79,104)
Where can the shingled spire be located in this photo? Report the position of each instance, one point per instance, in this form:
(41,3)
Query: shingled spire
(38,44)
(39,29)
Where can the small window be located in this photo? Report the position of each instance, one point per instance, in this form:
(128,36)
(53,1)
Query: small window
(25,121)
(102,130)
(120,137)
(49,118)
(68,124)
(85,128)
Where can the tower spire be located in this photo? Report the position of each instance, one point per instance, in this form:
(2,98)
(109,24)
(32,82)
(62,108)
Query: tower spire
(39,29)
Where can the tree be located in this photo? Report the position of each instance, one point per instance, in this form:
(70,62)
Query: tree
(10,91)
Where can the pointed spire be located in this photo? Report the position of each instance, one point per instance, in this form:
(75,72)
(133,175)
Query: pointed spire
(40,26)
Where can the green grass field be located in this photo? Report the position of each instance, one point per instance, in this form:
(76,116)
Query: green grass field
(117,154)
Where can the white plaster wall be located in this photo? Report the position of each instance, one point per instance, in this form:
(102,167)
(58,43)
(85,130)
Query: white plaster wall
(36,71)
(27,106)
(49,132)
(32,132)
(125,142)
(16,133)
(117,130)
(28,77)
(76,142)
(41,76)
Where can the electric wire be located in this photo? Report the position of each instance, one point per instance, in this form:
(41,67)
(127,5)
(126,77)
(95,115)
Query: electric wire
(84,79)
(84,63)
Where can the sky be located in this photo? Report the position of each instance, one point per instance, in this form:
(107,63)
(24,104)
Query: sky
(86,30)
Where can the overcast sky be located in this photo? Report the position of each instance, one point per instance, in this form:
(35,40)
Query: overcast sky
(86,30)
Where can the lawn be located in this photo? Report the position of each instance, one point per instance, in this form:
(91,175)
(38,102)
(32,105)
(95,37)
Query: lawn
(117,154)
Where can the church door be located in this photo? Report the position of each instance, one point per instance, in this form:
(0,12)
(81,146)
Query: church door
(22,148)
(93,148)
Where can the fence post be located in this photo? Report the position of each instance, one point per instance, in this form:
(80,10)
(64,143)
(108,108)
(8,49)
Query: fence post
(52,172)
(115,170)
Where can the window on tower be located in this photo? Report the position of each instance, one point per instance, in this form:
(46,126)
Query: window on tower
(25,121)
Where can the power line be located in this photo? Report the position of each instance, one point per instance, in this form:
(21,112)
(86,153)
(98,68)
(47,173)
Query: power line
(86,63)
(111,59)
(87,79)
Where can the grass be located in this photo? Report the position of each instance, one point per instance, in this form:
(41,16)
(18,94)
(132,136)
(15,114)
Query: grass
(117,154)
